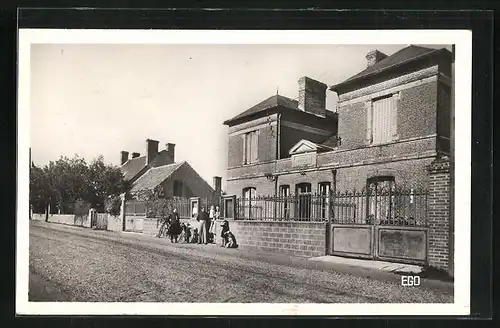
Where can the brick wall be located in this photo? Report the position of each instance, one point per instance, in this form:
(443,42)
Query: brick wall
(294,238)
(416,116)
(194,184)
(443,117)
(266,140)
(417,111)
(263,186)
(439,214)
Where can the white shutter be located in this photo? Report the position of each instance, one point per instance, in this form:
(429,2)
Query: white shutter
(244,159)
(383,120)
(254,146)
(368,107)
(394,114)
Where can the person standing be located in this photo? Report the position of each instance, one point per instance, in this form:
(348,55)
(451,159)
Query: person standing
(210,224)
(174,229)
(215,227)
(202,226)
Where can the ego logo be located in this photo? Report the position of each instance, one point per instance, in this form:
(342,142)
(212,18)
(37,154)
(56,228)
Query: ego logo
(410,281)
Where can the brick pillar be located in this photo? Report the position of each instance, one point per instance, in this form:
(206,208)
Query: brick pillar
(438,207)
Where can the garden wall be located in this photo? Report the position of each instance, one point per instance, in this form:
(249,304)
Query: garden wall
(294,238)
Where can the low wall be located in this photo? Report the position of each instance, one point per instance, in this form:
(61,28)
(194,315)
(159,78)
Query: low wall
(150,227)
(114,223)
(134,223)
(62,218)
(38,217)
(294,238)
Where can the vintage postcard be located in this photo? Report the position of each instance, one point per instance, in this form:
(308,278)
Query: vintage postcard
(225,172)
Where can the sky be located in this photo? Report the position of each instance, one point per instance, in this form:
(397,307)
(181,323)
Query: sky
(100,99)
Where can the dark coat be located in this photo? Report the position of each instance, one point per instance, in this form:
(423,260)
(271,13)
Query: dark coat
(203,215)
(175,224)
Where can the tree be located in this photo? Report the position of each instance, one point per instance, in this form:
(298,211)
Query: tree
(157,205)
(63,182)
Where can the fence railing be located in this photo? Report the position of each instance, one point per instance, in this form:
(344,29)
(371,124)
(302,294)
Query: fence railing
(402,207)
(183,206)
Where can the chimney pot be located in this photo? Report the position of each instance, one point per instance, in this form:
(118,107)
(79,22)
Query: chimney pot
(151,150)
(135,155)
(312,96)
(374,57)
(124,156)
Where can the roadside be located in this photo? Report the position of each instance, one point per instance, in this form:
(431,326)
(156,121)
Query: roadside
(214,251)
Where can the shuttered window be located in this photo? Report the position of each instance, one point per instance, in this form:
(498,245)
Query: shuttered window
(250,147)
(383,117)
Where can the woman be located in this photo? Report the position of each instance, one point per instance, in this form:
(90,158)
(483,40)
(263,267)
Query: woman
(215,228)
(175,228)
(211,222)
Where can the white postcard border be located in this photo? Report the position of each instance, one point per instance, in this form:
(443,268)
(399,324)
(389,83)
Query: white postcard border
(463,86)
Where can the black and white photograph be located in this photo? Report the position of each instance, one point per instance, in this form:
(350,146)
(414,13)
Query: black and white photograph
(244,172)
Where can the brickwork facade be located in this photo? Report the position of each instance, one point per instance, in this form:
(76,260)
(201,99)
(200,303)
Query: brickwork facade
(295,238)
(439,214)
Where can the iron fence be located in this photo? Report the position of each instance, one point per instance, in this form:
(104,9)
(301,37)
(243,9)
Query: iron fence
(393,207)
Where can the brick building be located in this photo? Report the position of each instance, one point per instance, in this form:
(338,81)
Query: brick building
(392,120)
(159,168)
(387,143)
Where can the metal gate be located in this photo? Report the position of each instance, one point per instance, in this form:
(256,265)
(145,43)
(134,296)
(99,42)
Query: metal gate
(380,222)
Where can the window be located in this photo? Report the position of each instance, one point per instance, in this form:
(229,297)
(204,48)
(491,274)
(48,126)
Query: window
(285,201)
(248,203)
(382,119)
(250,147)
(324,192)
(178,188)
(304,200)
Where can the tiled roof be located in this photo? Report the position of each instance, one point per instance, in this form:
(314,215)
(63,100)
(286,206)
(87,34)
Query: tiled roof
(404,55)
(269,103)
(133,166)
(154,176)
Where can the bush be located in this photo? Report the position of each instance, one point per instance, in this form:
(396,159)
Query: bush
(81,207)
(113,205)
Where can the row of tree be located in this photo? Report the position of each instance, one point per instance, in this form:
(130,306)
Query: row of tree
(69,181)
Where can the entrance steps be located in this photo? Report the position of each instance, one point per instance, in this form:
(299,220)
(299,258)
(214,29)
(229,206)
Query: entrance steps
(371,264)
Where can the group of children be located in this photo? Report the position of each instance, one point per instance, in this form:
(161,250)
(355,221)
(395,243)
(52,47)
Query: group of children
(187,233)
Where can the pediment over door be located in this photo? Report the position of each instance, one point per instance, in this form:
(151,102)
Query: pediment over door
(303,146)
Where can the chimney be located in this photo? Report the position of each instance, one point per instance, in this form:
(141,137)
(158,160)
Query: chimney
(124,156)
(312,96)
(374,57)
(151,150)
(218,184)
(170,148)
(135,155)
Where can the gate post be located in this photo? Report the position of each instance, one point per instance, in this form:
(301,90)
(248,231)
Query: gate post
(440,251)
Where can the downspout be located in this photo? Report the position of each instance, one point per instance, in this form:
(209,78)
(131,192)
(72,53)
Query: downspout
(278,145)
(278,154)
